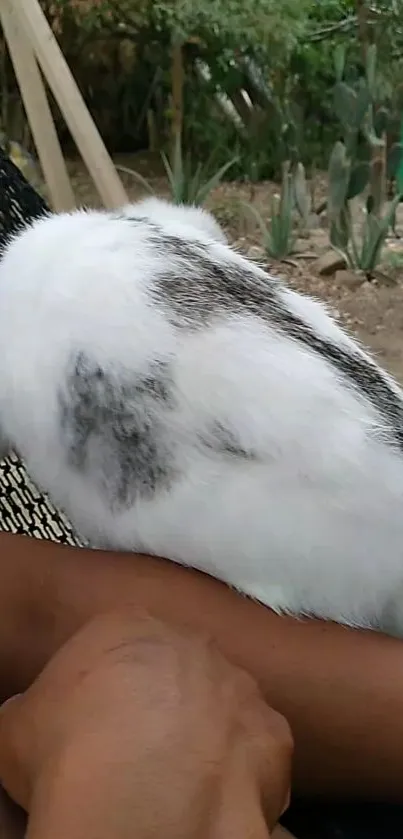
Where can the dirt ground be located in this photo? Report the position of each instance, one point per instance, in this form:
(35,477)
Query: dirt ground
(372,310)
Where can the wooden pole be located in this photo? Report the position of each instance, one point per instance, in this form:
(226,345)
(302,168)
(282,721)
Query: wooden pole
(71,103)
(37,108)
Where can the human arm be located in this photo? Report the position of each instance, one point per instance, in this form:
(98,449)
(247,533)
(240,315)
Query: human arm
(340,689)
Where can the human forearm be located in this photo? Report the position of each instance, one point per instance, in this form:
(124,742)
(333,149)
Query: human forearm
(341,690)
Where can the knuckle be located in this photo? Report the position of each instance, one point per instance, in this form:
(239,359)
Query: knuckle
(279,732)
(9,720)
(13,739)
(270,731)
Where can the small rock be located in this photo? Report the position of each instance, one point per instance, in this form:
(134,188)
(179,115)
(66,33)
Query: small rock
(329,263)
(313,221)
(324,222)
(303,246)
(350,279)
(256,252)
(319,238)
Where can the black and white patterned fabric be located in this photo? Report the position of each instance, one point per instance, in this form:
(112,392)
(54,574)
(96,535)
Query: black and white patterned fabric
(19,202)
(23,509)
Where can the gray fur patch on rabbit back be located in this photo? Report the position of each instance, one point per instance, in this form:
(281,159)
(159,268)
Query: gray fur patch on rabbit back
(173,398)
(112,429)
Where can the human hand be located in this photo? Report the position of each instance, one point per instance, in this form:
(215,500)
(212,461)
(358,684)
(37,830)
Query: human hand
(136,728)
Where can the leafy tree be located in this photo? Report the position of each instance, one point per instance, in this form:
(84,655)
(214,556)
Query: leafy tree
(279,51)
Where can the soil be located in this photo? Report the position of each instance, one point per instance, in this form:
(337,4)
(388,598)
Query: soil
(373,310)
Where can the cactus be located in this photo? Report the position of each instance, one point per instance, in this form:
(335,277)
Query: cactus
(345,104)
(359,179)
(291,138)
(362,116)
(370,70)
(339,177)
(351,108)
(382,118)
(394,160)
(302,195)
(398,97)
(378,183)
(367,254)
(339,61)
(347,180)
(339,174)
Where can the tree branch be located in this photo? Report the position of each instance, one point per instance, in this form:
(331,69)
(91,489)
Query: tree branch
(333,28)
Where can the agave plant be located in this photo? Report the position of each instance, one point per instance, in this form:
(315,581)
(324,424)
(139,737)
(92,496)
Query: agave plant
(137,177)
(190,183)
(278,237)
(365,254)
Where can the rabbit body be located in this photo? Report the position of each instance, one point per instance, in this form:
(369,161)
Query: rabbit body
(175,399)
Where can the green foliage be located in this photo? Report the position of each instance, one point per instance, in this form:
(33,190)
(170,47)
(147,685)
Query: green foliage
(339,174)
(395,156)
(252,23)
(302,195)
(286,56)
(364,113)
(256,24)
(191,184)
(346,179)
(364,116)
(137,177)
(278,237)
(364,252)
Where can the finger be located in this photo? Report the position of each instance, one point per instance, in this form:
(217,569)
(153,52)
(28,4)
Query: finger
(277,773)
(270,737)
(14,750)
(273,744)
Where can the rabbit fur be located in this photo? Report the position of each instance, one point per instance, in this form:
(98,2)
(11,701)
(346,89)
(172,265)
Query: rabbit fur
(174,398)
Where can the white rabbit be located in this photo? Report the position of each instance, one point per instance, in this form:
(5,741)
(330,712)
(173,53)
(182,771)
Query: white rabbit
(163,213)
(173,398)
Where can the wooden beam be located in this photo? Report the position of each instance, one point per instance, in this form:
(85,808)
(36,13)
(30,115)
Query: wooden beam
(38,111)
(71,103)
